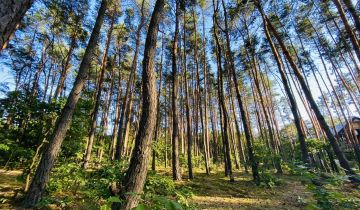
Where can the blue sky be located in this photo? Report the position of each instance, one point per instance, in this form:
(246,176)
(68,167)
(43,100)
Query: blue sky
(6,77)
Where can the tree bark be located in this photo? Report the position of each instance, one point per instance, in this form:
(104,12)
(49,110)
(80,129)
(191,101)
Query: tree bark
(126,105)
(41,177)
(199,101)
(348,28)
(158,114)
(136,174)
(187,107)
(354,13)
(225,116)
(174,101)
(65,69)
(11,13)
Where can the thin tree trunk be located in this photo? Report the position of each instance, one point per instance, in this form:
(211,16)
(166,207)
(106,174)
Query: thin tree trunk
(116,118)
(158,115)
(65,69)
(348,28)
(225,136)
(126,110)
(207,140)
(106,112)
(174,101)
(293,104)
(354,13)
(92,130)
(199,104)
(187,107)
(247,128)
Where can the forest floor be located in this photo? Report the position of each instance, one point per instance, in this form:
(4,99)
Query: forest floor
(216,192)
(9,187)
(210,192)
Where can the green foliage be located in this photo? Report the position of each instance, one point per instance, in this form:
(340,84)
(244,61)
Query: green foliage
(326,199)
(4,147)
(109,202)
(29,122)
(67,177)
(159,148)
(69,181)
(314,144)
(98,181)
(159,185)
(325,188)
(264,156)
(161,192)
(74,141)
(161,202)
(268,180)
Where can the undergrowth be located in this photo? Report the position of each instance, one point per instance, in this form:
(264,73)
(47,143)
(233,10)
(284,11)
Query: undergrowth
(326,188)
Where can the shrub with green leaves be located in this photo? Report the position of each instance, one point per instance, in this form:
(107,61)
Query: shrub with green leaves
(268,180)
(161,192)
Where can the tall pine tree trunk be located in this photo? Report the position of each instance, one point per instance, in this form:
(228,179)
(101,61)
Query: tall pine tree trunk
(133,182)
(125,109)
(174,101)
(187,107)
(223,107)
(158,114)
(41,177)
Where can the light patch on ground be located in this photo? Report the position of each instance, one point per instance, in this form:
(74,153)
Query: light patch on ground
(9,187)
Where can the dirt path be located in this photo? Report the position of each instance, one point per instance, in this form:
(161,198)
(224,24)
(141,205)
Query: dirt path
(216,192)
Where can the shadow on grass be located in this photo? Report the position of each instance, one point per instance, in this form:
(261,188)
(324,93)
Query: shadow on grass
(215,191)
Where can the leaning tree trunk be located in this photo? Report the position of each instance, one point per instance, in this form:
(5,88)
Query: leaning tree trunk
(340,155)
(136,174)
(350,32)
(354,13)
(11,13)
(293,104)
(41,177)
(65,68)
